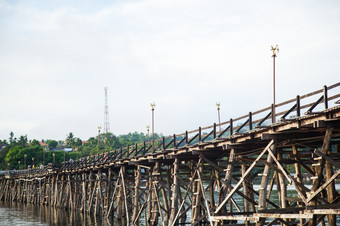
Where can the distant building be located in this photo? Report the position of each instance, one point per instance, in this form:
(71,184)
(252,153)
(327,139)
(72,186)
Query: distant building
(2,146)
(42,144)
(67,149)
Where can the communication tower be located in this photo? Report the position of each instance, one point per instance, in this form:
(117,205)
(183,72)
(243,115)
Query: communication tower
(106,114)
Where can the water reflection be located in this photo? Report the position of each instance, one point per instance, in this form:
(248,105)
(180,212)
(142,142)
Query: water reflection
(32,215)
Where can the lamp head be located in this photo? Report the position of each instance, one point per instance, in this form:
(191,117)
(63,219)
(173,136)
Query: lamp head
(275,50)
(153,106)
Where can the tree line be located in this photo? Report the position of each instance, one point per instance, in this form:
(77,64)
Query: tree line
(19,152)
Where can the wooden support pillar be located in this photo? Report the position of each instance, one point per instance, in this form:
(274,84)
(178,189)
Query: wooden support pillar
(318,169)
(245,192)
(98,192)
(212,184)
(174,192)
(282,184)
(107,191)
(149,201)
(228,175)
(298,175)
(197,199)
(90,191)
(331,192)
(84,193)
(120,199)
(262,204)
(155,210)
(136,201)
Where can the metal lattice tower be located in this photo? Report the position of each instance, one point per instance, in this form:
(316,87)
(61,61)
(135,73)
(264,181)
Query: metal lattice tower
(106,114)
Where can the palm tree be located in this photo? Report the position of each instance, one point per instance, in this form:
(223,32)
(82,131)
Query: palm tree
(70,140)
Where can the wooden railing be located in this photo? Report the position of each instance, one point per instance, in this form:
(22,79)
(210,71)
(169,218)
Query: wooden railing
(253,120)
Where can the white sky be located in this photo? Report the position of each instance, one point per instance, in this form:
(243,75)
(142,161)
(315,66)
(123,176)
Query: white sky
(56,57)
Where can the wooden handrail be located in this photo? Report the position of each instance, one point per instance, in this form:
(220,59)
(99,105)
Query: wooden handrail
(197,133)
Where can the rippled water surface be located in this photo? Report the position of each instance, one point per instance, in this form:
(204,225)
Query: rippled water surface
(17,214)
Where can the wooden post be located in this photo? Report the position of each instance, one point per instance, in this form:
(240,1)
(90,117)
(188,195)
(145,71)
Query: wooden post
(174,192)
(245,192)
(196,199)
(155,210)
(149,201)
(135,210)
(264,182)
(331,192)
(319,169)
(228,174)
(212,184)
(84,193)
(298,175)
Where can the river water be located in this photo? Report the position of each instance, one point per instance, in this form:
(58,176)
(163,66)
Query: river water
(16,214)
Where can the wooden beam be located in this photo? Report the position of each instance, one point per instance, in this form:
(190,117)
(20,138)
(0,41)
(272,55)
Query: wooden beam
(243,177)
(326,157)
(315,193)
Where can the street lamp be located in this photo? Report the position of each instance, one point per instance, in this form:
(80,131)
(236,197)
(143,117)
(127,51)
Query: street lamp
(148,129)
(218,112)
(99,128)
(153,125)
(65,153)
(19,162)
(53,154)
(25,155)
(44,150)
(275,50)
(33,162)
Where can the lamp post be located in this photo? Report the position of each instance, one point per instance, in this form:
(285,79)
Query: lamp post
(99,128)
(44,150)
(33,162)
(53,154)
(148,130)
(275,50)
(19,162)
(218,113)
(25,155)
(153,125)
(65,154)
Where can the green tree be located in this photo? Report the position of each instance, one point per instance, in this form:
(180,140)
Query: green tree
(13,156)
(23,141)
(52,144)
(70,140)
(34,142)
(11,136)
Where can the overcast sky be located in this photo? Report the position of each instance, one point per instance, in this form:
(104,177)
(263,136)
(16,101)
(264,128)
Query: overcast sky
(56,57)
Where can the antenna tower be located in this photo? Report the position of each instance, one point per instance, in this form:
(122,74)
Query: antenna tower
(106,114)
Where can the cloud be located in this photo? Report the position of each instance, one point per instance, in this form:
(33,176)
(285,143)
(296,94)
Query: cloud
(58,56)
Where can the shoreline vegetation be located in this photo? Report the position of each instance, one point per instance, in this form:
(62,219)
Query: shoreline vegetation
(19,152)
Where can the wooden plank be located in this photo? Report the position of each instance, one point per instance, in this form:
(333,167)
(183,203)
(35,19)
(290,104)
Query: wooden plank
(234,217)
(324,211)
(283,215)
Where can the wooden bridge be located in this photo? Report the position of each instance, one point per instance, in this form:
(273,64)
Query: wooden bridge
(259,168)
